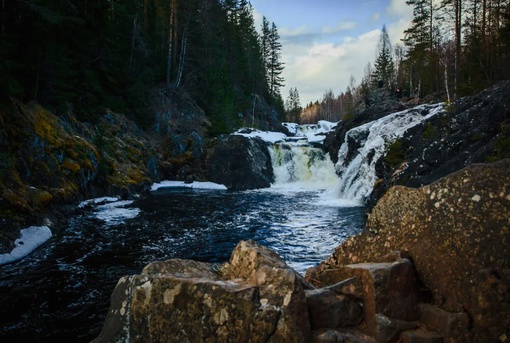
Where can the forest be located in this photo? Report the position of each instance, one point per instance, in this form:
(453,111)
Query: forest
(453,48)
(87,56)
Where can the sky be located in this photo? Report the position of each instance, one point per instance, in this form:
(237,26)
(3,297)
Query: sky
(324,42)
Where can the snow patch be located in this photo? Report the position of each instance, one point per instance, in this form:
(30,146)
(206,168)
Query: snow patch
(31,238)
(92,202)
(358,176)
(182,184)
(115,212)
(267,136)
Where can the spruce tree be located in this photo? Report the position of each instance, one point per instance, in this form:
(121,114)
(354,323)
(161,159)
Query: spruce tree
(384,65)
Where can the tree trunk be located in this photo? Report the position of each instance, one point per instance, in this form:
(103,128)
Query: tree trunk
(170,43)
(183,52)
(133,38)
(458,40)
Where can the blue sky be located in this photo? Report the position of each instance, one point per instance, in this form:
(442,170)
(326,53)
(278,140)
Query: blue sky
(327,41)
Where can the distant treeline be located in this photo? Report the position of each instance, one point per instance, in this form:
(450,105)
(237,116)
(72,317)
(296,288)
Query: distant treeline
(90,55)
(453,48)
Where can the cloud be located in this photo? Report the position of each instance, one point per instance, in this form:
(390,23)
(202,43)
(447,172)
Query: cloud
(398,9)
(321,67)
(342,26)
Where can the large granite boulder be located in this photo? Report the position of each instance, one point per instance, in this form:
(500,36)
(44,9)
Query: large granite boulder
(456,232)
(255,297)
(241,163)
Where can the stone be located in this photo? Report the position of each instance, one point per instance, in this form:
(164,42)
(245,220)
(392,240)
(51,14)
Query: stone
(389,289)
(341,336)
(278,284)
(459,249)
(188,301)
(420,336)
(328,309)
(241,163)
(351,287)
(388,330)
(453,327)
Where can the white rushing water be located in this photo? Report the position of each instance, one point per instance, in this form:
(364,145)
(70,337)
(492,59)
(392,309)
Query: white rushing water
(371,141)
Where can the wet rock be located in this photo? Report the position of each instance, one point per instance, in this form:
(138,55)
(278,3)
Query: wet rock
(456,232)
(241,163)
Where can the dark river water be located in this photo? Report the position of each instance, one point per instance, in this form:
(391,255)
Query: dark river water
(61,292)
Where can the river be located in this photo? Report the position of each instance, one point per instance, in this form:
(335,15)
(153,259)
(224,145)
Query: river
(61,291)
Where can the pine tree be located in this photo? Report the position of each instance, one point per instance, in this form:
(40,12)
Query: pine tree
(293,106)
(274,64)
(384,66)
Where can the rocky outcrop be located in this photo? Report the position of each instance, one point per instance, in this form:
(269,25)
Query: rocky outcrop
(255,297)
(456,232)
(49,162)
(241,163)
(473,129)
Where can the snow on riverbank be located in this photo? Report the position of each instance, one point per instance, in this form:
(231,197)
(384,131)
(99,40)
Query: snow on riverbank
(182,184)
(267,136)
(31,238)
(111,210)
(369,142)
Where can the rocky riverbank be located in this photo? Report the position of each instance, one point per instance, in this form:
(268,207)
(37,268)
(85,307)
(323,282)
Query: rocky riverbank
(432,266)
(49,163)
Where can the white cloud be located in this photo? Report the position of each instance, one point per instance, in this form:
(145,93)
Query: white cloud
(342,26)
(320,67)
(398,9)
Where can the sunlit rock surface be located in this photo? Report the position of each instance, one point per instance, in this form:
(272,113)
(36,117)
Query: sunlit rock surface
(255,297)
(456,232)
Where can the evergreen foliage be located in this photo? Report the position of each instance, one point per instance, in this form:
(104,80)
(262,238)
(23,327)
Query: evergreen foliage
(384,66)
(91,55)
(293,106)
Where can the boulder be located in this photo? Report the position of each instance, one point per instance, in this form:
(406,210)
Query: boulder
(451,326)
(388,289)
(241,163)
(255,297)
(456,232)
(420,336)
(328,309)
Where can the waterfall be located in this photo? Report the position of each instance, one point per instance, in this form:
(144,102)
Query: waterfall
(364,145)
(300,163)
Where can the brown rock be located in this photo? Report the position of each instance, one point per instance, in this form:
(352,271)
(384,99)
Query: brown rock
(457,233)
(420,336)
(341,336)
(453,327)
(388,330)
(388,288)
(328,309)
(187,301)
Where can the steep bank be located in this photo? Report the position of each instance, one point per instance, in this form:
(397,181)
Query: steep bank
(456,233)
(432,266)
(50,162)
(471,130)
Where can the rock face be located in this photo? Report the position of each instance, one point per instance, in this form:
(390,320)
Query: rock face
(474,129)
(255,297)
(456,232)
(241,163)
